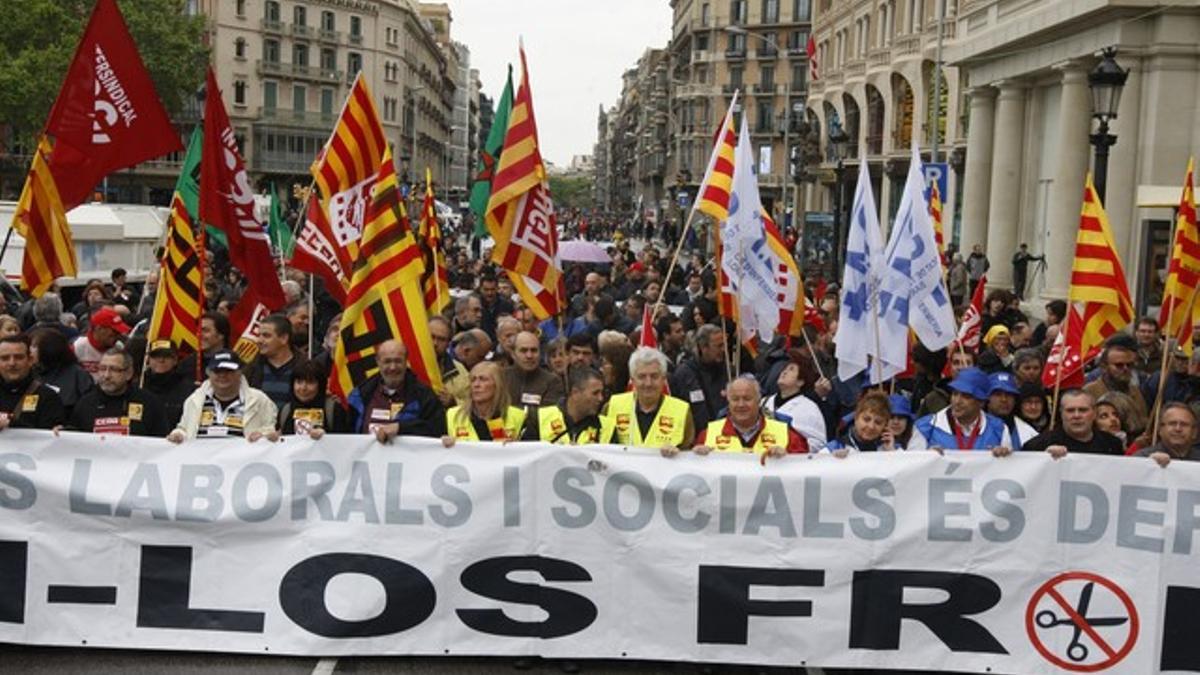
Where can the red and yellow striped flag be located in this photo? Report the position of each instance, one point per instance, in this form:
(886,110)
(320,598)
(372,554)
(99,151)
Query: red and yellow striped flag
(935,214)
(713,196)
(179,302)
(1183,273)
(436,281)
(42,220)
(1097,277)
(520,212)
(385,300)
(347,167)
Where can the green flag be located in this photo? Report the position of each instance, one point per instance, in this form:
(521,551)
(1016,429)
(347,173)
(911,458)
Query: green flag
(188,185)
(277,227)
(489,157)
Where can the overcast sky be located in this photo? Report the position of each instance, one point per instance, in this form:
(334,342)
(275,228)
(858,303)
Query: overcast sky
(576,49)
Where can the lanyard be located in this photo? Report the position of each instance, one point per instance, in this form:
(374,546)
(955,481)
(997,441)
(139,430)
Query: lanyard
(967,443)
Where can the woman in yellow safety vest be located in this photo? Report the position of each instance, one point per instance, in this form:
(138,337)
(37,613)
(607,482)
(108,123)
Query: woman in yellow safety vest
(488,416)
(648,417)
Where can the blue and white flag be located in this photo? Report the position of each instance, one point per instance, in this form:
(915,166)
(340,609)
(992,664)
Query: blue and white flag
(914,267)
(856,334)
(746,256)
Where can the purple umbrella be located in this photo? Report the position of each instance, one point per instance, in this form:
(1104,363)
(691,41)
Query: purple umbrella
(579,250)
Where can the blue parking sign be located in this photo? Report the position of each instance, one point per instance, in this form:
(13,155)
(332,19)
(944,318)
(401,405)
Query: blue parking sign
(939,172)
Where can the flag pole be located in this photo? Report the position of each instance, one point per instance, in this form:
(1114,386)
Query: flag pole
(1062,362)
(1162,373)
(311,311)
(675,259)
(812,351)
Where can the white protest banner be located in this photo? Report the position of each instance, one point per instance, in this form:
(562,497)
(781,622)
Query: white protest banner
(343,546)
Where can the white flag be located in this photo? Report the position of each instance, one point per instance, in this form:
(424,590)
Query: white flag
(746,257)
(914,290)
(856,332)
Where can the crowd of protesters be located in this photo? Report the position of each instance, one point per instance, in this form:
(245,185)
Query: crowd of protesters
(582,377)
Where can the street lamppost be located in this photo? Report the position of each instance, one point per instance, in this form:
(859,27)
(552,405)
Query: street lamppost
(787,106)
(839,142)
(1105,82)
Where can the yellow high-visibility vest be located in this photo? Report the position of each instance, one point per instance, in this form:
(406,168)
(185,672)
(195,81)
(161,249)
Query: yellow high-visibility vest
(552,428)
(774,433)
(667,429)
(461,428)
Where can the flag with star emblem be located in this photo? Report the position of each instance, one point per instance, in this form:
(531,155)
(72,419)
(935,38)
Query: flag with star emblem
(489,156)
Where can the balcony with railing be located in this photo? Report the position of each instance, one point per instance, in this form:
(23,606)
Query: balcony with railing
(356,38)
(766,89)
(330,36)
(854,68)
(877,58)
(304,119)
(272,26)
(735,54)
(766,53)
(299,71)
(905,45)
(302,31)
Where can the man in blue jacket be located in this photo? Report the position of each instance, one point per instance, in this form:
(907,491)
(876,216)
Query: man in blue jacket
(394,402)
(964,425)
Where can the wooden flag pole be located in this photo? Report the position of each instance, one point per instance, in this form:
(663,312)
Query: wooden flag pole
(311,312)
(812,352)
(1162,373)
(1062,362)
(674,260)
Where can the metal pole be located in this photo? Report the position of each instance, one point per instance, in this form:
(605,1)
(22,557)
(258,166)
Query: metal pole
(787,158)
(837,217)
(936,109)
(1103,141)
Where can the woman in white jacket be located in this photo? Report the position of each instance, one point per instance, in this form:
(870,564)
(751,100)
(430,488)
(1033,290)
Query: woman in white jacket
(792,406)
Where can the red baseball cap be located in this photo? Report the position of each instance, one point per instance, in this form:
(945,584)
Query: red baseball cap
(107,317)
(637,267)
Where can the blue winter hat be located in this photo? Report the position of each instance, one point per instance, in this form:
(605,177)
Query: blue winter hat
(973,382)
(900,407)
(1004,382)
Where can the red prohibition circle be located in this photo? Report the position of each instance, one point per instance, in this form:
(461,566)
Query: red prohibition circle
(1116,657)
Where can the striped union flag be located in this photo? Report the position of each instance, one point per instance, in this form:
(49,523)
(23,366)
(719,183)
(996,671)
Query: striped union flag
(436,281)
(346,168)
(520,211)
(1098,284)
(713,197)
(1183,273)
(42,220)
(179,302)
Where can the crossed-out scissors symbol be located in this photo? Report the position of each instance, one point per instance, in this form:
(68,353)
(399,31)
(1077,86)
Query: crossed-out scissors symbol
(1077,651)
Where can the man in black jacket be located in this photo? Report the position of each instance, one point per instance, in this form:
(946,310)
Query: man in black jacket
(25,403)
(700,379)
(394,402)
(116,406)
(165,381)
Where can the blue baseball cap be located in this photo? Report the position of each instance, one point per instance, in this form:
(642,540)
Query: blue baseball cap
(1004,382)
(900,407)
(973,382)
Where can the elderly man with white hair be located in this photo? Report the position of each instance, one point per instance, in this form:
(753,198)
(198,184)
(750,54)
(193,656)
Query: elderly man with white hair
(746,429)
(648,417)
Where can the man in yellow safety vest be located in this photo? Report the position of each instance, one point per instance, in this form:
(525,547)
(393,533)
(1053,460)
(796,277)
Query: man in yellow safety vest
(648,417)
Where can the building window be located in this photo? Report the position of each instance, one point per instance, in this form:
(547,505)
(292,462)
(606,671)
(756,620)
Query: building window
(270,95)
(239,93)
(271,51)
(326,103)
(328,59)
(241,8)
(701,75)
(801,10)
(770,11)
(356,26)
(764,123)
(767,74)
(704,14)
(300,55)
(353,63)
(800,76)
(271,12)
(299,98)
(737,43)
(702,42)
(300,15)
(735,77)
(328,22)
(737,11)
(239,49)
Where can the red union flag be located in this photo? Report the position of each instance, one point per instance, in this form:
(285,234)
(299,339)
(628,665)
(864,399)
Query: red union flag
(227,203)
(107,115)
(318,252)
(1066,350)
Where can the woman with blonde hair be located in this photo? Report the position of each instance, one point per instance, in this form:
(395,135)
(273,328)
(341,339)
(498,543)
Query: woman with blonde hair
(9,326)
(488,414)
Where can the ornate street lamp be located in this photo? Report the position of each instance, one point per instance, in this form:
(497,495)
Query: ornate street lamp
(1105,81)
(838,143)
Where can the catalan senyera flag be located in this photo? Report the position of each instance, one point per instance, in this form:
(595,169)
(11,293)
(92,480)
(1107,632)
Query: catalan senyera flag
(520,212)
(1098,287)
(179,302)
(789,281)
(935,215)
(347,167)
(713,196)
(436,281)
(1183,272)
(42,220)
(385,300)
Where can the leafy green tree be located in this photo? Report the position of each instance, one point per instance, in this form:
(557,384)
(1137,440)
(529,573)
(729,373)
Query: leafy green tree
(38,39)
(571,192)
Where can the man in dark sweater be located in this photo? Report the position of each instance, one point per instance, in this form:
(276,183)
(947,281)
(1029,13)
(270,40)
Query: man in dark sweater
(272,370)
(1078,432)
(165,381)
(393,402)
(25,403)
(115,406)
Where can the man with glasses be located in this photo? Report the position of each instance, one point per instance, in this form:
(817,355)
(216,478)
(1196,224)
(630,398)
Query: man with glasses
(116,406)
(1117,364)
(456,383)
(1176,436)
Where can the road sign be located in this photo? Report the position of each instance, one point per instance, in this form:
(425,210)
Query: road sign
(939,172)
(1082,622)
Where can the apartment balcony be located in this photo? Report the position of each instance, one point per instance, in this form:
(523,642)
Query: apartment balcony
(356,38)
(854,68)
(906,45)
(764,130)
(299,72)
(302,31)
(735,54)
(272,26)
(701,56)
(766,53)
(879,58)
(303,119)
(330,36)
(279,162)
(728,89)
(766,89)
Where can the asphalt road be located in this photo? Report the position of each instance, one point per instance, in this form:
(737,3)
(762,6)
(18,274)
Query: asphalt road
(62,661)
